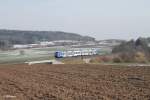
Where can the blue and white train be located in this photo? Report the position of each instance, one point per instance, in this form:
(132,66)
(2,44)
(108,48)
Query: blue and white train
(75,53)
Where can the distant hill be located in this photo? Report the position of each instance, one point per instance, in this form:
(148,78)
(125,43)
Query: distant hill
(113,40)
(10,37)
(110,42)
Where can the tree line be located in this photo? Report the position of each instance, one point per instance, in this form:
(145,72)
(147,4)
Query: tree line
(133,51)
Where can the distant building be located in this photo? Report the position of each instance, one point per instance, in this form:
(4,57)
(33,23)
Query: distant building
(41,44)
(20,46)
(46,43)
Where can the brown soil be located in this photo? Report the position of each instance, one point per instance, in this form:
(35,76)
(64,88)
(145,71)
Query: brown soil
(74,82)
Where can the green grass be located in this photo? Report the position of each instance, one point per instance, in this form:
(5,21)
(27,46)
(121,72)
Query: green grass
(30,55)
(22,59)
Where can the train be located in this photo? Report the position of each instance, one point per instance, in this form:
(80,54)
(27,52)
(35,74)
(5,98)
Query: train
(75,53)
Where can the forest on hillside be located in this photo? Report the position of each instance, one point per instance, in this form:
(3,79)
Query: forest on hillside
(10,37)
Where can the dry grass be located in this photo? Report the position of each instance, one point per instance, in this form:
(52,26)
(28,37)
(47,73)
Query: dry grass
(73,61)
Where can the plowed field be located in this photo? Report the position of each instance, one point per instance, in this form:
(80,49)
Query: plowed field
(74,82)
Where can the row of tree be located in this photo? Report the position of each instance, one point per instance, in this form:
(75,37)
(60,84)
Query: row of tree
(133,51)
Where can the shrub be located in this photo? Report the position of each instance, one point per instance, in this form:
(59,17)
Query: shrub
(106,58)
(117,60)
(127,57)
(140,57)
(22,52)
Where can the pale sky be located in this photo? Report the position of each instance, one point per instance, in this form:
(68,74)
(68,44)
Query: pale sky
(102,19)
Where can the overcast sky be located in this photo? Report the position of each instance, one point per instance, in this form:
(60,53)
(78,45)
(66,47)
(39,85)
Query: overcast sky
(102,19)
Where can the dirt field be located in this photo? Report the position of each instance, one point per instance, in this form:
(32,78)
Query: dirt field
(74,82)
